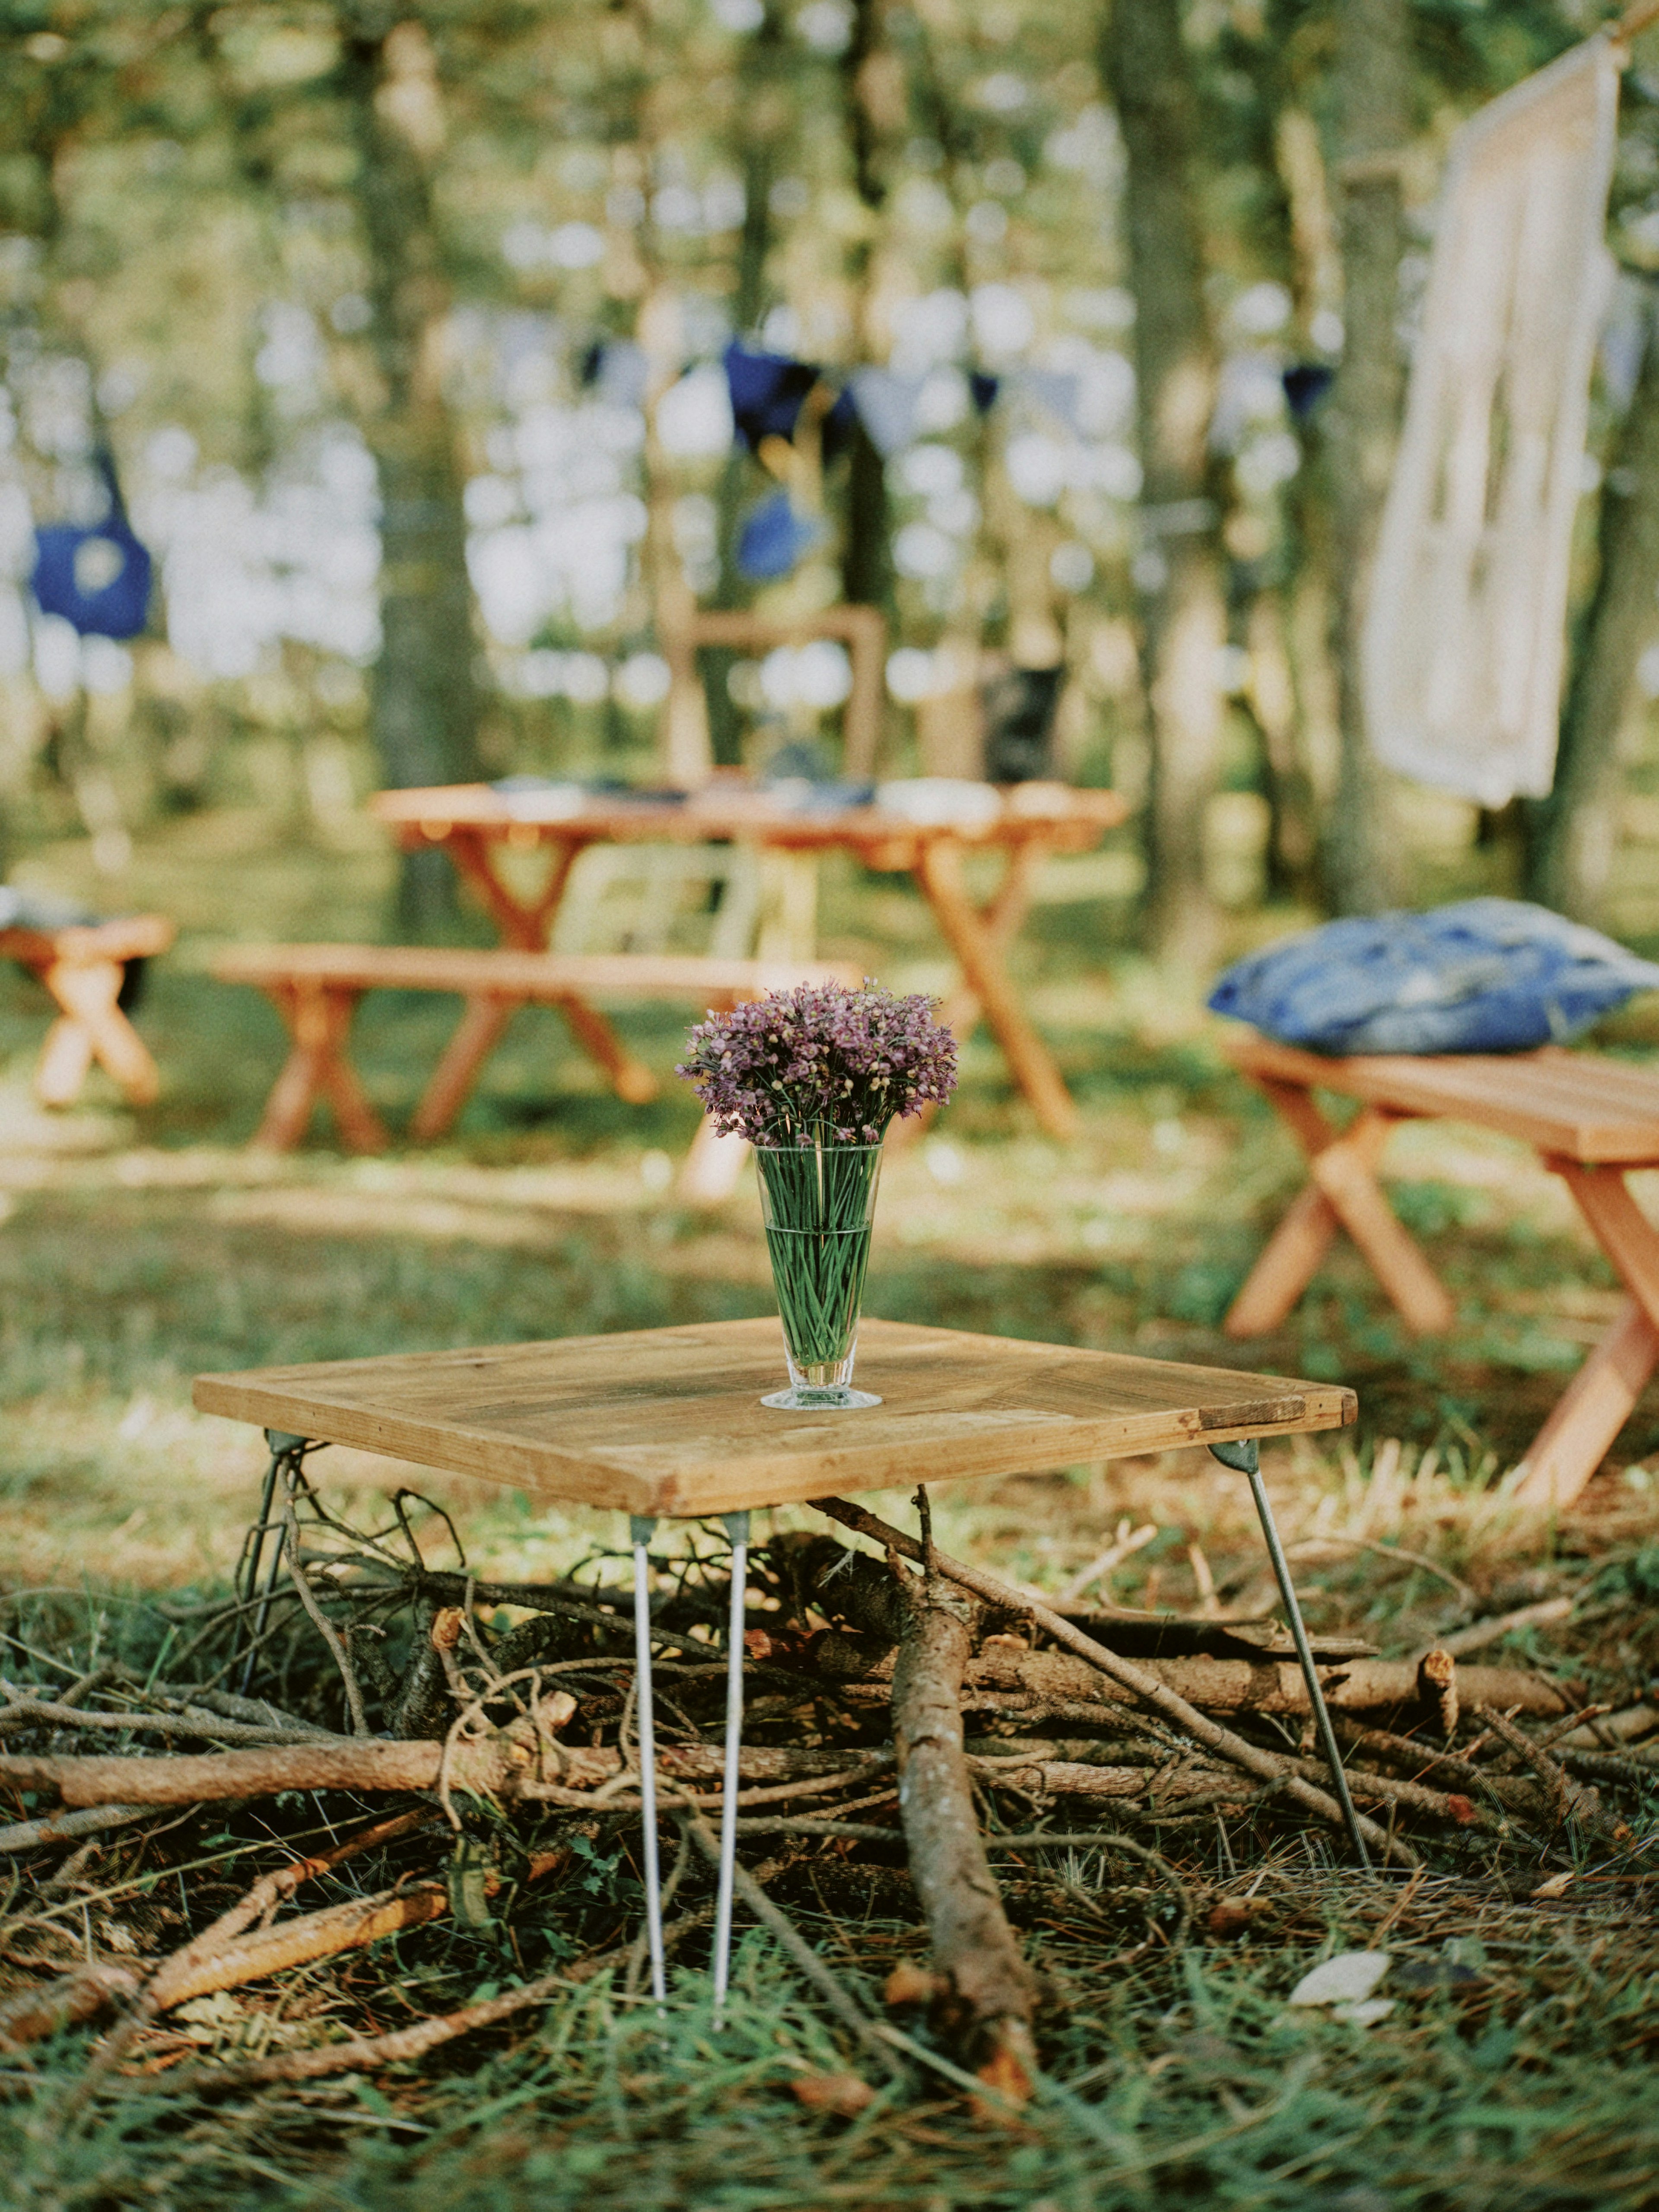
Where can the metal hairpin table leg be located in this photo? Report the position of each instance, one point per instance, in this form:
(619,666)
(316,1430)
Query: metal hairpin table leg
(1246,1459)
(737,1527)
(286,1453)
(640,1530)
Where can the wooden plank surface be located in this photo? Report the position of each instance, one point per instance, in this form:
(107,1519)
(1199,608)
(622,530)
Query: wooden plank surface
(669,1421)
(467,971)
(1573,1104)
(1062,819)
(130,937)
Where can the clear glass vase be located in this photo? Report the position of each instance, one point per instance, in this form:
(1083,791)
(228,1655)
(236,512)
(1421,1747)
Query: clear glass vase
(817,1203)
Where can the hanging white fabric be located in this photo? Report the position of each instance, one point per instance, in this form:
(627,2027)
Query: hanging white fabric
(1465,642)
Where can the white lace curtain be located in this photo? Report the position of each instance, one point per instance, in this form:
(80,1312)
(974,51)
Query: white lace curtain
(1465,635)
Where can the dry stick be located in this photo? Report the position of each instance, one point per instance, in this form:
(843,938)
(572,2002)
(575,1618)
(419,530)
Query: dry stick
(320,1621)
(64,1827)
(167,1984)
(1514,1795)
(23,1710)
(1145,1685)
(990,1991)
(1568,1798)
(38,2013)
(503,1766)
(359,2053)
(1415,1795)
(846,2007)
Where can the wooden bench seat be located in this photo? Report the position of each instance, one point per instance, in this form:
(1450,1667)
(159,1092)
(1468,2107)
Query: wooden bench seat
(316,988)
(1590,1120)
(84,967)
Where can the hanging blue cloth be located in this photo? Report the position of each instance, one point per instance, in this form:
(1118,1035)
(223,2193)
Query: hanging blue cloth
(1488,974)
(97,579)
(767,390)
(773,539)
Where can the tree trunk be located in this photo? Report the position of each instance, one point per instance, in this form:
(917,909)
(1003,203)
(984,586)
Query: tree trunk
(762,116)
(1178,572)
(1372,86)
(872,96)
(424,704)
(1571,834)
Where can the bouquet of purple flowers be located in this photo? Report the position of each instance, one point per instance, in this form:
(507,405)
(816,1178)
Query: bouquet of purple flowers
(812,1077)
(820,1065)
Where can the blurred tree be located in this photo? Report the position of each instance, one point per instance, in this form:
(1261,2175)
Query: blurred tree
(424,702)
(1178,572)
(874,104)
(1573,833)
(1371,99)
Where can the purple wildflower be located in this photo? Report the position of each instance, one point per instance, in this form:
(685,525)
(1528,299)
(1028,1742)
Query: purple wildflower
(820,1065)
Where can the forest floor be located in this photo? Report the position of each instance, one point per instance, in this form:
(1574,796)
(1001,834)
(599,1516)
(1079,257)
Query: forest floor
(136,1250)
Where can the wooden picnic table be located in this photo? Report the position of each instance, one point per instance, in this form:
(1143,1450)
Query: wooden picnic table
(1590,1120)
(476,825)
(669,1421)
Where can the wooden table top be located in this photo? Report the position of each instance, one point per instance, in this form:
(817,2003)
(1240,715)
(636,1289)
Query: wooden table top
(1575,1105)
(1063,819)
(668,1421)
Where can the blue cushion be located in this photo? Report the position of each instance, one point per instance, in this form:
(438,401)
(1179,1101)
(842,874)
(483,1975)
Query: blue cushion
(1489,975)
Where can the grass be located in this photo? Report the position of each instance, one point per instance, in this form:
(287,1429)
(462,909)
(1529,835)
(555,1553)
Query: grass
(137,1250)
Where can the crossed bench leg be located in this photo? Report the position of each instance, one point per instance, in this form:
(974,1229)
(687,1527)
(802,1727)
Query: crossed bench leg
(317,1018)
(91,1026)
(1343,1190)
(1602,1396)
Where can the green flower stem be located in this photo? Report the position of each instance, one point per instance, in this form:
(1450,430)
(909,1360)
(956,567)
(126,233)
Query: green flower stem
(817,1205)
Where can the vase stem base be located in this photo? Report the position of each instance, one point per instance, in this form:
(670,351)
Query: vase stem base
(820,1398)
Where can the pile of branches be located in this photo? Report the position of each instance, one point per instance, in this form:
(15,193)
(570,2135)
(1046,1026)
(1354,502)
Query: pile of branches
(910,1717)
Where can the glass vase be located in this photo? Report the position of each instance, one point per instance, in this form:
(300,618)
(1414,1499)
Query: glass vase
(817,1203)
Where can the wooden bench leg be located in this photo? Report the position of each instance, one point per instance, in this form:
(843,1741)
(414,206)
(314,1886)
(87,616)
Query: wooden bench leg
(631,1079)
(1602,1396)
(88,992)
(65,1058)
(980,956)
(1343,1189)
(478,1034)
(1590,1412)
(319,1020)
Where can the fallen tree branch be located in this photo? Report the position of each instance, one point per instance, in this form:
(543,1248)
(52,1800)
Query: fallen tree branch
(22,1711)
(1138,1680)
(366,2053)
(504,1765)
(986,1993)
(1568,1800)
(67,1828)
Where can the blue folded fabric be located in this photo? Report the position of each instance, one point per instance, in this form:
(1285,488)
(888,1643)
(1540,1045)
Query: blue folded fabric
(1488,974)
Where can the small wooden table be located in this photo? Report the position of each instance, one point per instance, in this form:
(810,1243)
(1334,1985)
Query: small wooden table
(474,822)
(1590,1120)
(669,1421)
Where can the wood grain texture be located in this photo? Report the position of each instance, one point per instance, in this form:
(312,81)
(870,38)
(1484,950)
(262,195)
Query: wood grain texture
(1572,1103)
(1058,818)
(669,1421)
(515,976)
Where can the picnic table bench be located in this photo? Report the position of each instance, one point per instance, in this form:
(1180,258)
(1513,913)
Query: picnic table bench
(316,989)
(84,967)
(1590,1120)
